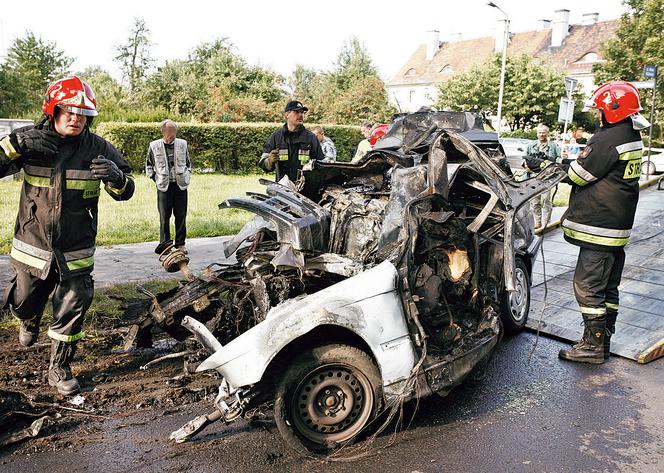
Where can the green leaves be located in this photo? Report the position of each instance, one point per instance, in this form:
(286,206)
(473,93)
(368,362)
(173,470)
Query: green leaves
(638,43)
(351,92)
(134,55)
(531,95)
(232,148)
(30,66)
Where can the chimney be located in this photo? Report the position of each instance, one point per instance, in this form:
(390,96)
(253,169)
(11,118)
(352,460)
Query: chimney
(432,44)
(560,27)
(589,18)
(500,35)
(543,25)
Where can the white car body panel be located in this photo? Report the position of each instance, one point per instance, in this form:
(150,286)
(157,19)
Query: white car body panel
(366,304)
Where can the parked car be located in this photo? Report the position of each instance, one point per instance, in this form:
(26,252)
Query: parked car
(515,149)
(365,285)
(7,125)
(654,165)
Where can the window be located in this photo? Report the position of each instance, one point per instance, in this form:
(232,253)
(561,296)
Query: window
(589,57)
(411,96)
(411,72)
(446,69)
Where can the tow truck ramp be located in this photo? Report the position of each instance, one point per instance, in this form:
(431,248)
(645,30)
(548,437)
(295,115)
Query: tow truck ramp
(640,327)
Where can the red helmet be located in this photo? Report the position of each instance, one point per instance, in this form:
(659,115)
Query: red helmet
(71,94)
(617,99)
(377,132)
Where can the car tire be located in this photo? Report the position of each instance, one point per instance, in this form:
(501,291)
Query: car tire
(327,398)
(515,305)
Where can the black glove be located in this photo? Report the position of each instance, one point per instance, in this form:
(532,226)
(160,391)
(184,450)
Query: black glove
(36,140)
(107,171)
(534,162)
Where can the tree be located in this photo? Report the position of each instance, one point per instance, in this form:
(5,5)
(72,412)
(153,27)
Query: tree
(111,97)
(215,83)
(531,95)
(349,93)
(134,55)
(364,99)
(353,64)
(638,42)
(30,66)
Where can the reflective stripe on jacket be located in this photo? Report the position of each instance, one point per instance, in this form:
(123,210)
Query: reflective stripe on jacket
(605,189)
(295,149)
(57,215)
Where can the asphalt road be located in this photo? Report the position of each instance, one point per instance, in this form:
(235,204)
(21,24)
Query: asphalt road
(539,416)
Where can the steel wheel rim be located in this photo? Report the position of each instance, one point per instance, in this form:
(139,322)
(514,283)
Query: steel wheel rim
(518,300)
(332,403)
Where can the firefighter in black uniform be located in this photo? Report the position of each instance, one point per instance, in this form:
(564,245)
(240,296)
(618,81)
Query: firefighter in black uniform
(605,191)
(64,164)
(291,146)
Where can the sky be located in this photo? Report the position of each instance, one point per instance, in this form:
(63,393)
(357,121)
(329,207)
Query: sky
(276,34)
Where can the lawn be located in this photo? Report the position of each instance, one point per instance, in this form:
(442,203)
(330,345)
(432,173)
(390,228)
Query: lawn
(107,306)
(137,220)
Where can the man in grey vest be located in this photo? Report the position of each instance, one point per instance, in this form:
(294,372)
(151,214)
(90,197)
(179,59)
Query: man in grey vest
(169,166)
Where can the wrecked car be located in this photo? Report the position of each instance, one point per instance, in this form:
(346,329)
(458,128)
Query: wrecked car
(365,285)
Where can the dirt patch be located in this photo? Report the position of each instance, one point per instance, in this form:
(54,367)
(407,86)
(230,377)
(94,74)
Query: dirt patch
(112,387)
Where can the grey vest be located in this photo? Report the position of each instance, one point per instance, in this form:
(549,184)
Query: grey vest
(161,169)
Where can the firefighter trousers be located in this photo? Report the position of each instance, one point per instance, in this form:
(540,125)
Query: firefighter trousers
(27,296)
(596,280)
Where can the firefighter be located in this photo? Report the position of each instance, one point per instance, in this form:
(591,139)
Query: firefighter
(605,191)
(64,164)
(291,146)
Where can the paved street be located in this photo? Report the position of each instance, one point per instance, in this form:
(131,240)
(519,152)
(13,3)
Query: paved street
(534,414)
(641,321)
(529,414)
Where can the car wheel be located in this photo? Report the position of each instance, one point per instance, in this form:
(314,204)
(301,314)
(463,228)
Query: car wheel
(648,168)
(327,398)
(515,305)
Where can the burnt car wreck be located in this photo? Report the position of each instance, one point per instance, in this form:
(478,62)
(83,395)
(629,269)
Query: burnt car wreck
(364,285)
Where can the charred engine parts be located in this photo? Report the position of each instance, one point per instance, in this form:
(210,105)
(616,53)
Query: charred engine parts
(173,259)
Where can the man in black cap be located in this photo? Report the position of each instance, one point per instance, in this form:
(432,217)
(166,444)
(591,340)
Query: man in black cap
(291,146)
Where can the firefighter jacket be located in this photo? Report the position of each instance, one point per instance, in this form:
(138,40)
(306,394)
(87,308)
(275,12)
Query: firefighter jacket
(605,188)
(57,215)
(295,149)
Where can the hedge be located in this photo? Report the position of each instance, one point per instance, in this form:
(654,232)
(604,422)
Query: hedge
(225,147)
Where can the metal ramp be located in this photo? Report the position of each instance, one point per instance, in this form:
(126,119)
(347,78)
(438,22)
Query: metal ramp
(640,327)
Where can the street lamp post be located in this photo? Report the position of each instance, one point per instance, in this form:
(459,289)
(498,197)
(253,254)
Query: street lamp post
(502,67)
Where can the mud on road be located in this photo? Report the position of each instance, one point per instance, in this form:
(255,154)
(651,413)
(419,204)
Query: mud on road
(545,415)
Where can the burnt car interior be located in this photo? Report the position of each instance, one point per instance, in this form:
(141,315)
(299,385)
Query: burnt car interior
(446,234)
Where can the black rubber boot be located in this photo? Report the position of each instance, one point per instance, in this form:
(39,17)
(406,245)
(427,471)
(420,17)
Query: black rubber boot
(611,317)
(29,332)
(59,371)
(590,349)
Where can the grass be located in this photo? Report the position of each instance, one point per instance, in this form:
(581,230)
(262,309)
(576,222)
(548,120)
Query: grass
(137,219)
(106,306)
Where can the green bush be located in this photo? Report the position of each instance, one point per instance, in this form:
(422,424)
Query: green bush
(527,134)
(224,147)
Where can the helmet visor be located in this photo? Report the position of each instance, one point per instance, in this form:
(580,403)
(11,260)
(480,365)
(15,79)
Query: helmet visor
(79,110)
(639,122)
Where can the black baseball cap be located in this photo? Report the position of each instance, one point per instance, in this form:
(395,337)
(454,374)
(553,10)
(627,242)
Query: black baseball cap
(295,105)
